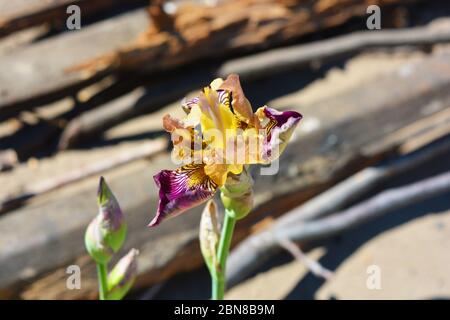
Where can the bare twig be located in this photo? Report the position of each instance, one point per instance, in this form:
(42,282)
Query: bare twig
(259,247)
(315,267)
(144,150)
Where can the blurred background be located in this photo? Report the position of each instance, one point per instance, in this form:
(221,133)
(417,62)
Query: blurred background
(362,193)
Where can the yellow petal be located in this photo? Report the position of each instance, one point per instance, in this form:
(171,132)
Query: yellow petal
(216,83)
(217,172)
(235,168)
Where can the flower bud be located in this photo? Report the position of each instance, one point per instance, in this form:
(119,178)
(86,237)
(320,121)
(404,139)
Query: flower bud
(106,233)
(210,235)
(237,194)
(122,276)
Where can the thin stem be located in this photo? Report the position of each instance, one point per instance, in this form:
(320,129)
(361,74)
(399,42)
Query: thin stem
(218,277)
(102,273)
(218,286)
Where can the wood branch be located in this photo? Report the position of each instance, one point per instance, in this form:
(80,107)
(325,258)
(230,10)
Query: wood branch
(313,266)
(281,60)
(309,166)
(366,211)
(21,14)
(259,247)
(146,149)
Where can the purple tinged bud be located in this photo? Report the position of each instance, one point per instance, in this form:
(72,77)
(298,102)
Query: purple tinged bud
(122,276)
(106,233)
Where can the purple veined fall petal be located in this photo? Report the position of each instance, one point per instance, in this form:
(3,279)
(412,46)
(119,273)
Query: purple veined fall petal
(181,189)
(279,128)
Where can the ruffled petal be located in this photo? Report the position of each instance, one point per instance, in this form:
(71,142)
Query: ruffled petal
(279,126)
(240,104)
(181,189)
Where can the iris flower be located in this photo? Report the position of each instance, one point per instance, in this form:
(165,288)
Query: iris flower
(218,137)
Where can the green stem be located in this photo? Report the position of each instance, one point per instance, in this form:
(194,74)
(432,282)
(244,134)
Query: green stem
(218,277)
(102,272)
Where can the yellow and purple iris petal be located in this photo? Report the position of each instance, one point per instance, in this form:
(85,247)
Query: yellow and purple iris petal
(279,129)
(221,108)
(181,189)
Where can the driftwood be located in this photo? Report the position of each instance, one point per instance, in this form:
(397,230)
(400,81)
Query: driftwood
(147,149)
(310,165)
(252,252)
(22,14)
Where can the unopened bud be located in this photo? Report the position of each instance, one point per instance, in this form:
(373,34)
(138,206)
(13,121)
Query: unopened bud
(237,194)
(209,235)
(122,276)
(106,233)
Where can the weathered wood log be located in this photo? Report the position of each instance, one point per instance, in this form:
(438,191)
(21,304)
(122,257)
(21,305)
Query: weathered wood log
(199,32)
(246,25)
(37,74)
(21,14)
(48,233)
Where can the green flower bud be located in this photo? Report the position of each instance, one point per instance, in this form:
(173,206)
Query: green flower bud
(106,233)
(122,276)
(210,235)
(237,195)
